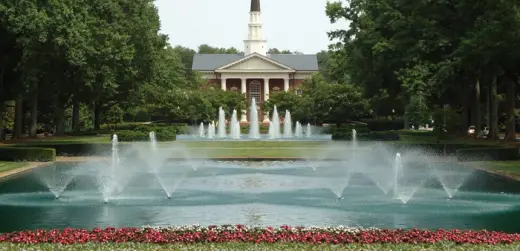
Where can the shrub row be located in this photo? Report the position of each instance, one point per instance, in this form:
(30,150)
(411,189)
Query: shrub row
(27,154)
(362,133)
(384,125)
(79,149)
(367,136)
(488,154)
(132,136)
(145,128)
(346,128)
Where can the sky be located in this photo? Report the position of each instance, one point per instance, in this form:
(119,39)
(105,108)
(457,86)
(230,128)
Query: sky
(296,25)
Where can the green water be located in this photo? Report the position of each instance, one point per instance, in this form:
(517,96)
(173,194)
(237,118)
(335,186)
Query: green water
(256,193)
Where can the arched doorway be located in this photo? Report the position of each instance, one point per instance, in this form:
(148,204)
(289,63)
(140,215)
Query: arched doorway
(255,91)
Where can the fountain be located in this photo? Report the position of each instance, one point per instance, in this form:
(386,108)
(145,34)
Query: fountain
(254,129)
(298,132)
(234,126)
(346,183)
(115,154)
(211,130)
(270,133)
(274,126)
(55,181)
(202,134)
(398,173)
(308,132)
(221,123)
(287,125)
(275,131)
(153,141)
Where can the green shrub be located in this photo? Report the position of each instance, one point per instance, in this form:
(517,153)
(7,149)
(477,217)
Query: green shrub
(345,131)
(370,136)
(384,125)
(380,136)
(488,153)
(84,133)
(132,136)
(177,127)
(27,154)
(80,149)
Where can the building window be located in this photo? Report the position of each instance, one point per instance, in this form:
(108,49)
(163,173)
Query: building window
(255,91)
(299,92)
(234,89)
(276,89)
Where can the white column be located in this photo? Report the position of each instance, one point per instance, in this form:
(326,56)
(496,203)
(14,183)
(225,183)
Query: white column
(266,89)
(223,84)
(243,117)
(266,97)
(286,84)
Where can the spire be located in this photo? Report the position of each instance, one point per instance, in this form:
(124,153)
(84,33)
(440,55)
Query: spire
(255,42)
(255,5)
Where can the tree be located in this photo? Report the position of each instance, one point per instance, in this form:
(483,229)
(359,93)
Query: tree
(228,100)
(418,112)
(207,49)
(287,101)
(446,49)
(114,116)
(276,51)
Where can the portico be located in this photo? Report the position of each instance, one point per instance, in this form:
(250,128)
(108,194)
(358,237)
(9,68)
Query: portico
(255,73)
(255,85)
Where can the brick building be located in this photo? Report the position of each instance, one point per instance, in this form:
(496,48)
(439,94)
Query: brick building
(256,73)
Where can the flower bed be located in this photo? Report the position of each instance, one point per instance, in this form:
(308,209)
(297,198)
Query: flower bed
(241,233)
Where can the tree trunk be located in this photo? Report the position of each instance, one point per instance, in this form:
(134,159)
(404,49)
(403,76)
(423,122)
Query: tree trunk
(493,128)
(34,114)
(75,116)
(2,111)
(510,101)
(488,104)
(97,116)
(18,118)
(476,114)
(405,115)
(59,118)
(465,107)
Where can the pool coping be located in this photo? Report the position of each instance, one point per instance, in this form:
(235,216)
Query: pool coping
(499,173)
(18,171)
(34,165)
(242,158)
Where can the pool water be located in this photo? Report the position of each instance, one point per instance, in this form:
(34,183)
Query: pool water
(257,193)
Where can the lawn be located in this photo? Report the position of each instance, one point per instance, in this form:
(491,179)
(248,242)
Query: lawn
(8,166)
(259,247)
(508,168)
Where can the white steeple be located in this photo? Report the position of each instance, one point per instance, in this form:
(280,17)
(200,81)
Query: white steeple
(255,41)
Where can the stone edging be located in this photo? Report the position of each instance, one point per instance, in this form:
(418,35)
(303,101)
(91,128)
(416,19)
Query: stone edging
(30,166)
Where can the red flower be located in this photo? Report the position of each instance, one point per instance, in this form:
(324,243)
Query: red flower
(241,233)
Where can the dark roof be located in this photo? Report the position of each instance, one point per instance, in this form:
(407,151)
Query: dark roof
(255,5)
(297,62)
(211,62)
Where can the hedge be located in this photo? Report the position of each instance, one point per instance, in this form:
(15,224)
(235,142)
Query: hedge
(132,136)
(488,154)
(27,154)
(370,136)
(346,128)
(384,125)
(362,133)
(146,128)
(79,149)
